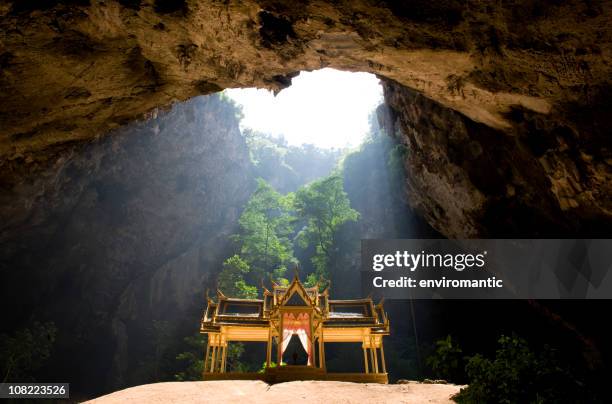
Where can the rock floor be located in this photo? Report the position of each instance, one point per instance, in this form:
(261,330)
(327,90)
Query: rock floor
(254,392)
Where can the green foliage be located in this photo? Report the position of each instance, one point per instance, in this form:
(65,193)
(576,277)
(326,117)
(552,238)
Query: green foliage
(272,365)
(265,248)
(287,167)
(267,154)
(231,279)
(323,206)
(519,375)
(234,352)
(446,361)
(282,281)
(193,359)
(266,225)
(311,280)
(26,351)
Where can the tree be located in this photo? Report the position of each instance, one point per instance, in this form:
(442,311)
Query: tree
(265,247)
(266,225)
(192,360)
(324,206)
(231,279)
(288,167)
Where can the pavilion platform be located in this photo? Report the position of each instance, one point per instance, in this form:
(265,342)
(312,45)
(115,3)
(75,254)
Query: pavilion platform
(291,373)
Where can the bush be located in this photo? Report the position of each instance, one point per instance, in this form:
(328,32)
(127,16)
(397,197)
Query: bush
(447,362)
(519,375)
(192,361)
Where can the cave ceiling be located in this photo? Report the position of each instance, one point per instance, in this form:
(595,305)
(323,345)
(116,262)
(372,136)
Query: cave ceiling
(71,71)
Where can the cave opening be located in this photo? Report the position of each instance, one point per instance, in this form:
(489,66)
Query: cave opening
(329,133)
(326,108)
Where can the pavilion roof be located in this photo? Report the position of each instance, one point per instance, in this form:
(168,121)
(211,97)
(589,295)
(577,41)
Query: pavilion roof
(258,312)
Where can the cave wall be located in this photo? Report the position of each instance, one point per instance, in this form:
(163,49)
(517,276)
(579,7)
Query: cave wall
(118,241)
(543,178)
(72,70)
(372,177)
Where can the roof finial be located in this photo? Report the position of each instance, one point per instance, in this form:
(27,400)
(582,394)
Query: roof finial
(296,272)
(263,286)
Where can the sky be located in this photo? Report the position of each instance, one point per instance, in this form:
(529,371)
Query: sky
(327,108)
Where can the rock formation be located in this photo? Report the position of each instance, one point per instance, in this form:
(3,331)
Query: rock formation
(307,391)
(117,241)
(542,178)
(525,84)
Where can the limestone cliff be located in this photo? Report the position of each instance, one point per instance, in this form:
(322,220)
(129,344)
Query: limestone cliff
(117,241)
(542,178)
(374,182)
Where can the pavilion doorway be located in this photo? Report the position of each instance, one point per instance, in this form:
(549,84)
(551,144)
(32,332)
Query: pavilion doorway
(295,354)
(296,338)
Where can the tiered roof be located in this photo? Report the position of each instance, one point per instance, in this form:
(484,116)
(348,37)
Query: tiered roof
(258,312)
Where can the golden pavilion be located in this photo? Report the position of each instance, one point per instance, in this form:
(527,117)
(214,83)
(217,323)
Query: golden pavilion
(303,316)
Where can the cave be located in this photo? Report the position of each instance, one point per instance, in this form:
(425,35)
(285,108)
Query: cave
(123,173)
